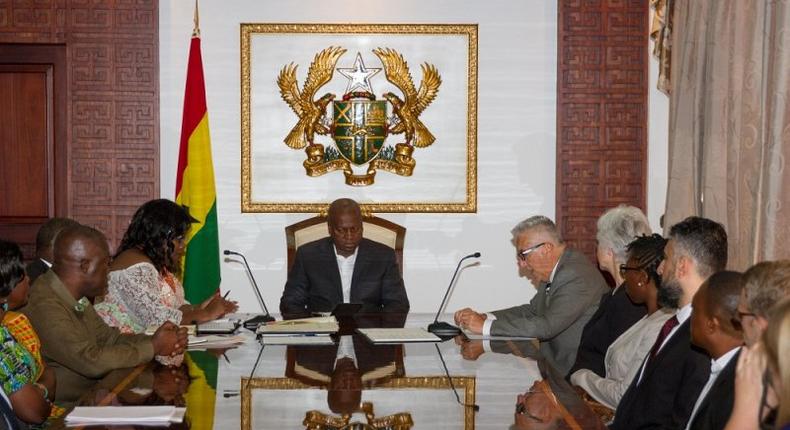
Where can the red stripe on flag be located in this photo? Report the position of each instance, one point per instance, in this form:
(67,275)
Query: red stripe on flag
(194,106)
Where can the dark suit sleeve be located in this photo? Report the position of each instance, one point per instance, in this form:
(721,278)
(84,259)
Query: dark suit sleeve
(393,291)
(296,295)
(696,370)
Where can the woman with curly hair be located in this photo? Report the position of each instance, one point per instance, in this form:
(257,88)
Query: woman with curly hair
(143,286)
(625,355)
(24,378)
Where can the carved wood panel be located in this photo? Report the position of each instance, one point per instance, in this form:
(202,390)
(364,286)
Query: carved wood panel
(602,82)
(113,100)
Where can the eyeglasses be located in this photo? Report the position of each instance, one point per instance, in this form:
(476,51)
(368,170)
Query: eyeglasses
(521,409)
(522,255)
(737,321)
(624,269)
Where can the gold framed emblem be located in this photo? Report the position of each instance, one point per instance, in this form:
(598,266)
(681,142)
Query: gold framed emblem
(293,102)
(467,385)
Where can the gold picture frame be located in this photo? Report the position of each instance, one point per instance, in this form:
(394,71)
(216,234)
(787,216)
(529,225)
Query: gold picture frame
(464,383)
(469,32)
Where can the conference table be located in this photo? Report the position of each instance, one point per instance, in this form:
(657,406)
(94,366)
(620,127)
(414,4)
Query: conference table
(399,386)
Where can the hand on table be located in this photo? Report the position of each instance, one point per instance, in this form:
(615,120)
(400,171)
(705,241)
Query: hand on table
(169,339)
(468,319)
(216,306)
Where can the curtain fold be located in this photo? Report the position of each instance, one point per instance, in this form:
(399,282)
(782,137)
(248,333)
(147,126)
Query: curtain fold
(729,126)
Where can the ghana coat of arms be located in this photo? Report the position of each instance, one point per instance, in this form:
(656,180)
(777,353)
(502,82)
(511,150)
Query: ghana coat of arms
(358,122)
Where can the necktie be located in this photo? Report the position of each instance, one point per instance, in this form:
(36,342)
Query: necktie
(665,330)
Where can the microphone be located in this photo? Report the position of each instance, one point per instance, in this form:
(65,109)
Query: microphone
(234,393)
(253,323)
(443,329)
(450,379)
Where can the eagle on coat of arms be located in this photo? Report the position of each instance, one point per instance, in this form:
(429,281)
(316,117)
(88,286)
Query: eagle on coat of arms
(359,124)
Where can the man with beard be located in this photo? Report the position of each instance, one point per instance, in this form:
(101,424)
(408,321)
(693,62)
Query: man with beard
(671,378)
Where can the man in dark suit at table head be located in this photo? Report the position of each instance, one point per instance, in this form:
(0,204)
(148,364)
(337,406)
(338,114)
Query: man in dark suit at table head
(569,290)
(45,240)
(670,379)
(715,307)
(344,268)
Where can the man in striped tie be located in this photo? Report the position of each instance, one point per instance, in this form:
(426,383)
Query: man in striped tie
(663,392)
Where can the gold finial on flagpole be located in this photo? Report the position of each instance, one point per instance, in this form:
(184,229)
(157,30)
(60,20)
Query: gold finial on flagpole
(196,29)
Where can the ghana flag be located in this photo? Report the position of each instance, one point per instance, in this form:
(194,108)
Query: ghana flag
(195,183)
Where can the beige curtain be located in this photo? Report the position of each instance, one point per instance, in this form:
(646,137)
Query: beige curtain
(729,126)
(661,35)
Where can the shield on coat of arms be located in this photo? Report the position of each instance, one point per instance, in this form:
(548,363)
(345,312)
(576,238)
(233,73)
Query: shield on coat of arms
(359,128)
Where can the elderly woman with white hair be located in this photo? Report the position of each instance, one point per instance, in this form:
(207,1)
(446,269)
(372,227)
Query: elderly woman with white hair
(617,227)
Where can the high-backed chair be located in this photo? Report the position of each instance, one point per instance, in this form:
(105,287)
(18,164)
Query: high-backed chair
(373,228)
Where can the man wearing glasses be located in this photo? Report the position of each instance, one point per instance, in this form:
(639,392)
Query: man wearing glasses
(569,289)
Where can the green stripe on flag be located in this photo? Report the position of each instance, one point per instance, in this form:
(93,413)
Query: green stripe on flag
(201,264)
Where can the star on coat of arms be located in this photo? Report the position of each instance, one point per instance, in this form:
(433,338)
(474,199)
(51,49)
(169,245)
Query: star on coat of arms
(359,123)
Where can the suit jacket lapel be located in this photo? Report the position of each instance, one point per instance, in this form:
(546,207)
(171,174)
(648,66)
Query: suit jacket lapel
(680,334)
(334,271)
(726,376)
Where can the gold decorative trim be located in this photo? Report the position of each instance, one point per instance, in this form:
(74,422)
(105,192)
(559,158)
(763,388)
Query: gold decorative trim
(468,30)
(466,383)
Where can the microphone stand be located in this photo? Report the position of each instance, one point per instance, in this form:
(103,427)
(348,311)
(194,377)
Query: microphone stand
(443,329)
(232,393)
(450,379)
(254,322)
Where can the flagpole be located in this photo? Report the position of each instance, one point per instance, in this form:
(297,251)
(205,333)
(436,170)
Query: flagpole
(196,28)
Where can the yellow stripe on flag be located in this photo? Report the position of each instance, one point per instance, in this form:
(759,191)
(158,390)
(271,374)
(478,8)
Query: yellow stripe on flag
(197,189)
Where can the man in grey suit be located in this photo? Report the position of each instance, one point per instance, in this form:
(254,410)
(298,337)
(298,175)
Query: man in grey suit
(569,289)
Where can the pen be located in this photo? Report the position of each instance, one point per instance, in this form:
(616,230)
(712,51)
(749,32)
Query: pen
(226,295)
(226,357)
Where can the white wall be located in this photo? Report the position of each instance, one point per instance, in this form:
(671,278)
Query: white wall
(657,147)
(516,141)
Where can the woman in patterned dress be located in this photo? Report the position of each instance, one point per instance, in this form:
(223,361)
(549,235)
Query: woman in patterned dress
(24,377)
(143,287)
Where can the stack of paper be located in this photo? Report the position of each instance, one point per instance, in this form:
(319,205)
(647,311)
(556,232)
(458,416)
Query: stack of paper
(325,325)
(119,415)
(297,339)
(214,341)
(398,335)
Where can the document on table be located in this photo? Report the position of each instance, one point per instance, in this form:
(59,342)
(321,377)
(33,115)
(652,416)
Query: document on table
(117,415)
(398,335)
(213,341)
(297,326)
(297,339)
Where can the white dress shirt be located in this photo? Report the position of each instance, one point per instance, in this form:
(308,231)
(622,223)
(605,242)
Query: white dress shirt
(622,360)
(345,348)
(716,366)
(683,314)
(346,267)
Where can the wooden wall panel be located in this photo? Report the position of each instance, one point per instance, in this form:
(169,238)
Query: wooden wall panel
(112,62)
(602,82)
